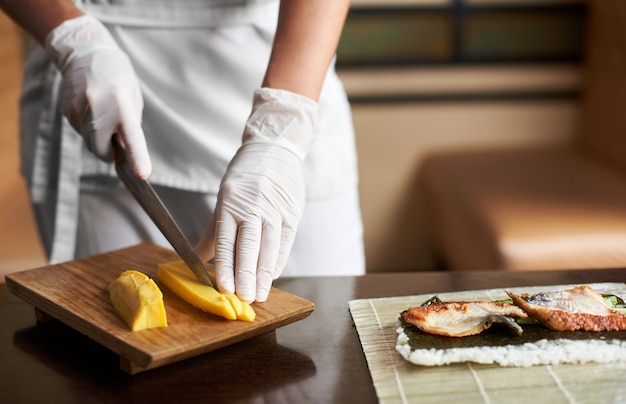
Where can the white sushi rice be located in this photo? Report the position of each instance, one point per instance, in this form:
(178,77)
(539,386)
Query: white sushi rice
(542,352)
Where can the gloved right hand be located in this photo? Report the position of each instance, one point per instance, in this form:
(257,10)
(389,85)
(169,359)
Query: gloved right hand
(101,93)
(262,195)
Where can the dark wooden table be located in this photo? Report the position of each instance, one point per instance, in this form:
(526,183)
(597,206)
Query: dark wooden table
(318,359)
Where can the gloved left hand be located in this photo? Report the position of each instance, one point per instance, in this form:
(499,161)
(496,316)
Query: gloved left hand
(262,195)
(101,92)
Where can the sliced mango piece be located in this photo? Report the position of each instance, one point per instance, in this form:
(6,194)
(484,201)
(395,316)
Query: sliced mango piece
(244,311)
(138,300)
(177,276)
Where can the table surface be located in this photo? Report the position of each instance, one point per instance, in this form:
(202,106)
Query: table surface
(318,359)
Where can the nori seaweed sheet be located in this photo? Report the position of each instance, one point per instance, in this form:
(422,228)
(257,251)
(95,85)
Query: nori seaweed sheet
(500,335)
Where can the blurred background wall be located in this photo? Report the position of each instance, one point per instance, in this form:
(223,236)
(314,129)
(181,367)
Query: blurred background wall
(426,76)
(19,243)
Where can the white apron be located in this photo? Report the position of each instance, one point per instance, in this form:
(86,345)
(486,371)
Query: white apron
(198,62)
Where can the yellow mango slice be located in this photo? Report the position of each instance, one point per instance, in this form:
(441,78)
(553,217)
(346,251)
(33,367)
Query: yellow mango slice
(138,300)
(243,309)
(177,276)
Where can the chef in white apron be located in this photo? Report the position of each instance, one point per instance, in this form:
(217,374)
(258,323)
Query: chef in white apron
(199,65)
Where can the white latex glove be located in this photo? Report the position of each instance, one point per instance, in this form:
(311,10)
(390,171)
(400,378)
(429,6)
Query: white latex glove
(101,93)
(262,195)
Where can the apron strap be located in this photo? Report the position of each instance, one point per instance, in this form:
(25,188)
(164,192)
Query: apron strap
(56,144)
(39,176)
(66,210)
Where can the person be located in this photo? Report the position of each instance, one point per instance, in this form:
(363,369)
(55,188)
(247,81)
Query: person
(178,82)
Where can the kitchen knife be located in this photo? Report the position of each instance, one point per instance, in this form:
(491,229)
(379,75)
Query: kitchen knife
(154,207)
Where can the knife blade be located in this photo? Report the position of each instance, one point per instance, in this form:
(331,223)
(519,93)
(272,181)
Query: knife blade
(150,201)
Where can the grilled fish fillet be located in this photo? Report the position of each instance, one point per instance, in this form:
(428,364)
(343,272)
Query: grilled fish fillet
(579,308)
(459,319)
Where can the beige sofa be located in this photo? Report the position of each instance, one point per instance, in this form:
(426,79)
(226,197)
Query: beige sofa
(547,208)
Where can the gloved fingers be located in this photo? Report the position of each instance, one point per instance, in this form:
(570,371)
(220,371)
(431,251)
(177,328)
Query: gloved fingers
(133,137)
(121,118)
(288,236)
(99,132)
(268,256)
(264,285)
(247,258)
(225,236)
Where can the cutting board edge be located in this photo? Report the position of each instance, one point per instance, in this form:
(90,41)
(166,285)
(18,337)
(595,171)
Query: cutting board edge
(132,367)
(78,324)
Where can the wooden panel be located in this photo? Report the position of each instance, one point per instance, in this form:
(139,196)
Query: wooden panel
(393,140)
(403,83)
(603,123)
(395,37)
(523,35)
(75,293)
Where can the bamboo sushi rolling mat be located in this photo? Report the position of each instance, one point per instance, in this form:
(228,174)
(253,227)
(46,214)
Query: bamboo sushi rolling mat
(399,381)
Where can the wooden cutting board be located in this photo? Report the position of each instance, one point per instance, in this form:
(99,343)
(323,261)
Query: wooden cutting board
(75,293)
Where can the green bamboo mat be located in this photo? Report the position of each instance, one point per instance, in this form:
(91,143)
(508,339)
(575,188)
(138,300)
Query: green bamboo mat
(398,381)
